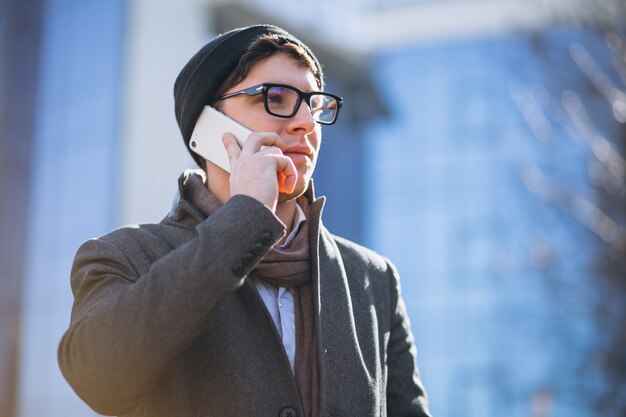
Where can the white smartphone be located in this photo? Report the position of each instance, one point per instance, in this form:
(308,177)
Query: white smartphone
(206,139)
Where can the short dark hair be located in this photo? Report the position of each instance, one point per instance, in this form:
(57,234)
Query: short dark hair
(265,47)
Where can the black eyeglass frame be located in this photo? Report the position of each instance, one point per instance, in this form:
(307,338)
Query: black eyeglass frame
(264,87)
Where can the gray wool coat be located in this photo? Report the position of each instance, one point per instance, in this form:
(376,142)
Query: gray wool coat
(164,323)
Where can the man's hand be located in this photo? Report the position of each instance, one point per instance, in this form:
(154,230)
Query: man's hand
(260,173)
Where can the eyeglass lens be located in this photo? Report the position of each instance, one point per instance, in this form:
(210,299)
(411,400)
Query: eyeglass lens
(282,101)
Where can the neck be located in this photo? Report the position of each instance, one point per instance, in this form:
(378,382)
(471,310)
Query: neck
(286,211)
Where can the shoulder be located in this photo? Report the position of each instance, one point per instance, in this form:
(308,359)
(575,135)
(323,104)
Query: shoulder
(356,255)
(149,234)
(134,246)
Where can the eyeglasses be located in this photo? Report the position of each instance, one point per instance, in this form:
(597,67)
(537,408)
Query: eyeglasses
(284,101)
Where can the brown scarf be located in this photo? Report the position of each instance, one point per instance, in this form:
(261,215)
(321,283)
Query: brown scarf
(288,268)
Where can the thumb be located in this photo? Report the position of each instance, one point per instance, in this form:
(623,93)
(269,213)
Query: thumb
(232,147)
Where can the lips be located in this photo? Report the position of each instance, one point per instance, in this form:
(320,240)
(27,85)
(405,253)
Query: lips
(298,149)
(298,153)
(298,157)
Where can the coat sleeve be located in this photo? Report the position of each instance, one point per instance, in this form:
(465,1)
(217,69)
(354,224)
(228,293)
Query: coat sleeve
(406,396)
(127,329)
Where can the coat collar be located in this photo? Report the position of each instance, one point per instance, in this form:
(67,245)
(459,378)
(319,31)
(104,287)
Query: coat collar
(341,360)
(183,211)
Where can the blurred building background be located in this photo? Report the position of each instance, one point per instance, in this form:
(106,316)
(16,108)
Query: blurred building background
(481,148)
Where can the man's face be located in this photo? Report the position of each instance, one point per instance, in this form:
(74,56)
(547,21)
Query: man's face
(301,134)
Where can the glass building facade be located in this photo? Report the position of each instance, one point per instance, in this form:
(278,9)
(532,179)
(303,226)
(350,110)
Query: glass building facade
(73,186)
(469,202)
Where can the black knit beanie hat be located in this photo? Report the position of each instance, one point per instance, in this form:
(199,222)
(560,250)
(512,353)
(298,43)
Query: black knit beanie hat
(199,80)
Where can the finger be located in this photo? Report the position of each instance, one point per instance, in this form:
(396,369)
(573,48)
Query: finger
(289,184)
(258,140)
(271,150)
(232,147)
(281,183)
(287,174)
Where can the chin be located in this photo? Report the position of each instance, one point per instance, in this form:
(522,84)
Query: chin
(297,192)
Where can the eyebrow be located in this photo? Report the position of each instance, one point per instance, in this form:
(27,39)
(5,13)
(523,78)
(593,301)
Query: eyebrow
(307,90)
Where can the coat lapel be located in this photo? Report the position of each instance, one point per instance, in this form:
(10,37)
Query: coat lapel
(346,387)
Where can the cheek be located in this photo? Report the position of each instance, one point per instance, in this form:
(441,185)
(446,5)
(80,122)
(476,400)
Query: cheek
(251,117)
(316,139)
(262,122)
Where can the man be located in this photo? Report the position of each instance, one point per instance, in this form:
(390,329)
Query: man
(240,302)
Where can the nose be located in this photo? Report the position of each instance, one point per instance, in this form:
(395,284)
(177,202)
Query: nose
(302,121)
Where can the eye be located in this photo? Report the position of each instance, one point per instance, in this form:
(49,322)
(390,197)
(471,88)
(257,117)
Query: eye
(275,97)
